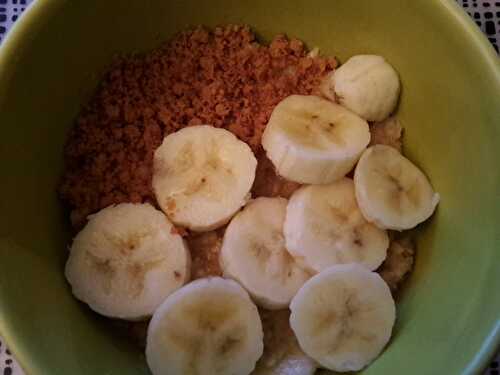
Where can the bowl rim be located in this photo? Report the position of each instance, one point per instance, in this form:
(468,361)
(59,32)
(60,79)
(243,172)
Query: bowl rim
(485,52)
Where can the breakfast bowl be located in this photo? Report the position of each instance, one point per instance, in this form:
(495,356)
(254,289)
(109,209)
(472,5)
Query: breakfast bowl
(448,319)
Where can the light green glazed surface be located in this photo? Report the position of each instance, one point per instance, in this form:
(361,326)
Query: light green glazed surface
(449,313)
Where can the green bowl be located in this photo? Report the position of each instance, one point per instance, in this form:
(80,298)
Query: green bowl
(449,313)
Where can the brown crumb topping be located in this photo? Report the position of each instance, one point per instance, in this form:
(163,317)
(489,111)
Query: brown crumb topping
(399,261)
(204,249)
(277,335)
(388,132)
(222,77)
(267,182)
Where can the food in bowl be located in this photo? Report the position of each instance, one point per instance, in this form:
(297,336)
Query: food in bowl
(166,158)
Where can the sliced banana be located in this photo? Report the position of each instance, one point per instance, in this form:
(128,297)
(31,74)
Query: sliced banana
(312,140)
(202,176)
(343,317)
(324,226)
(282,353)
(253,253)
(391,191)
(126,261)
(208,327)
(366,84)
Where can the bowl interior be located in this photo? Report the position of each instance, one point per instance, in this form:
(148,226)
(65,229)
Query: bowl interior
(448,314)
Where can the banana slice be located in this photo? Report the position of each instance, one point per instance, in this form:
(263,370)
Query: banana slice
(126,261)
(282,353)
(391,191)
(253,253)
(366,84)
(210,327)
(343,317)
(312,140)
(202,176)
(324,226)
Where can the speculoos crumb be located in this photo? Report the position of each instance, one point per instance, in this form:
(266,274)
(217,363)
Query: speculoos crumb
(222,77)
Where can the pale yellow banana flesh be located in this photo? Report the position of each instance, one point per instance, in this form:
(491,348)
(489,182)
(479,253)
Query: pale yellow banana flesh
(324,227)
(312,140)
(366,84)
(126,261)
(391,191)
(202,176)
(254,253)
(210,327)
(343,317)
